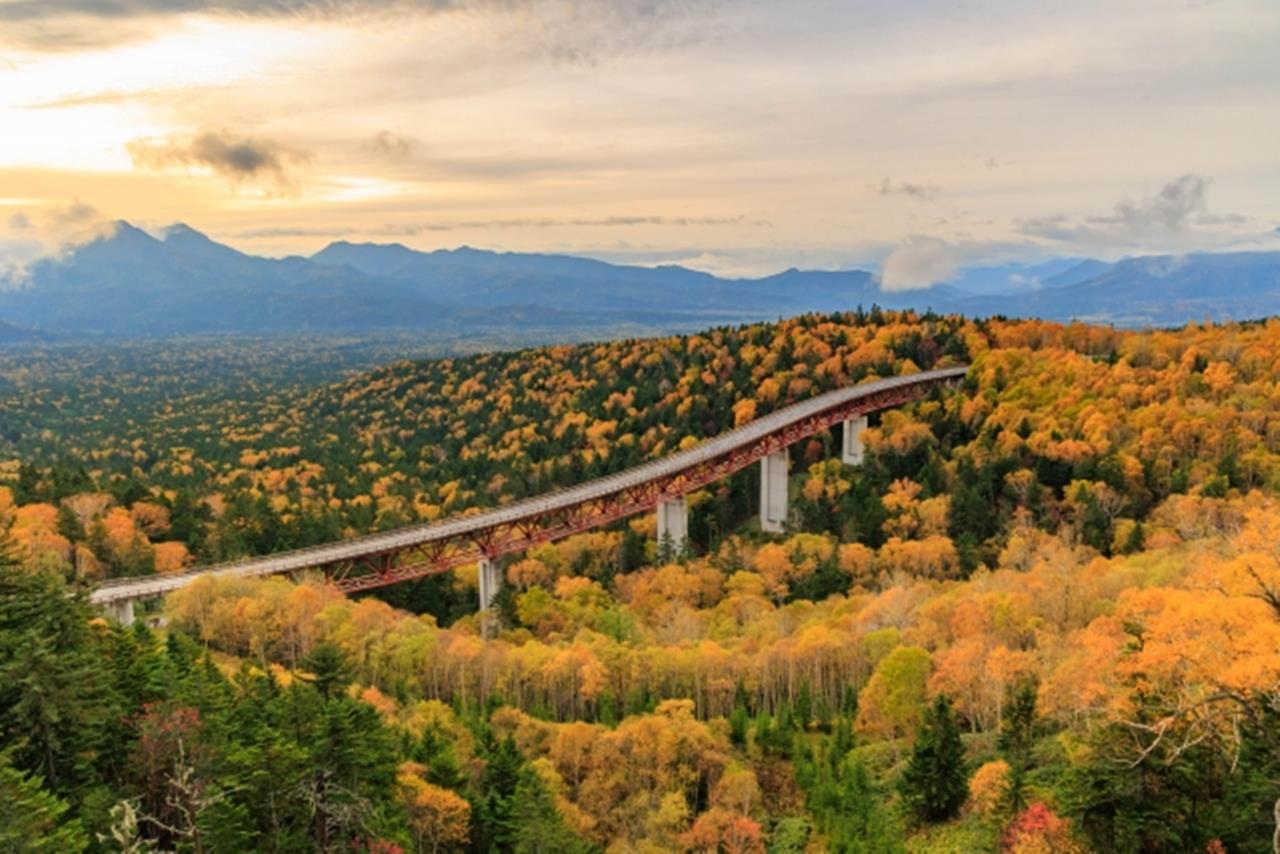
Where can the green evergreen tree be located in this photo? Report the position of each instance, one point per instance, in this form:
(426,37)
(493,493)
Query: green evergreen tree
(32,819)
(69,525)
(739,723)
(56,702)
(536,825)
(934,785)
(862,824)
(804,706)
(492,828)
(330,672)
(1017,737)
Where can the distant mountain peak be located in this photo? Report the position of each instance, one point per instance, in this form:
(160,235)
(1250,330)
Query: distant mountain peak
(180,231)
(187,240)
(123,230)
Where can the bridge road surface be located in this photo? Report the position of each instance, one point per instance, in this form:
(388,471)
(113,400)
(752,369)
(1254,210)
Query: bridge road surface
(122,591)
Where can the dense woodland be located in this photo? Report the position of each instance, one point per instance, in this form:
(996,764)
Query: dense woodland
(1043,616)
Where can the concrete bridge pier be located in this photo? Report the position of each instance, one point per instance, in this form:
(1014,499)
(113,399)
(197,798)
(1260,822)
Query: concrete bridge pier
(853,451)
(490,582)
(773,492)
(673,524)
(121,611)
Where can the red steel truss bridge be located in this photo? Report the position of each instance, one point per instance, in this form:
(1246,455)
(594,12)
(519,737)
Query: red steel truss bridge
(377,560)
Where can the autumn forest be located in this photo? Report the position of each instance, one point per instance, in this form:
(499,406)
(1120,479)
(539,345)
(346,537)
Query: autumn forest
(1042,616)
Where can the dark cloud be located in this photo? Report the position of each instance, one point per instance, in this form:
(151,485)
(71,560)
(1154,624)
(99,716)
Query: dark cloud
(920,192)
(240,159)
(19,222)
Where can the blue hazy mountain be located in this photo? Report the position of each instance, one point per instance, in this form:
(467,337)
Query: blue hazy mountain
(10,334)
(478,278)
(1009,279)
(1158,290)
(130,283)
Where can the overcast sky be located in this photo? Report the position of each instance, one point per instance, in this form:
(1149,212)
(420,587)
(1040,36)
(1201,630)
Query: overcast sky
(736,136)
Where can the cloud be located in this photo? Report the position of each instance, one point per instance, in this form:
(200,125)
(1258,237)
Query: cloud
(919,192)
(271,232)
(570,33)
(239,159)
(73,216)
(1174,218)
(392,145)
(1169,210)
(45,232)
(587,222)
(920,262)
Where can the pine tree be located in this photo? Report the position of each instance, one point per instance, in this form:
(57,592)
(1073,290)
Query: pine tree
(537,826)
(69,525)
(934,785)
(804,706)
(329,670)
(56,703)
(1017,735)
(862,825)
(32,819)
(493,803)
(739,722)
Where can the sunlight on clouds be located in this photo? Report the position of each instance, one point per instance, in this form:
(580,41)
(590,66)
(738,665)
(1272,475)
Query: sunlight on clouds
(351,188)
(78,110)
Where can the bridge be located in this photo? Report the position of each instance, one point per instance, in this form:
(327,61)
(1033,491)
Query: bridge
(377,560)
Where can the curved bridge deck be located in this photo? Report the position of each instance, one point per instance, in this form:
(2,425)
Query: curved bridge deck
(376,560)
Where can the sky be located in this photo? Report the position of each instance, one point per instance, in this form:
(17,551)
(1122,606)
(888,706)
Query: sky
(737,136)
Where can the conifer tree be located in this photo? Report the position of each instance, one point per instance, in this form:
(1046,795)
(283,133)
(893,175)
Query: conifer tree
(329,670)
(56,704)
(537,827)
(32,820)
(492,808)
(862,824)
(1017,735)
(934,785)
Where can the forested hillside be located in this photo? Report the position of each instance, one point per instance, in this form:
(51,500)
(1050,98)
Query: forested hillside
(1043,616)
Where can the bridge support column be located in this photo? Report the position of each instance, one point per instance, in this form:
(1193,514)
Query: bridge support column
(673,525)
(490,582)
(773,492)
(853,451)
(121,611)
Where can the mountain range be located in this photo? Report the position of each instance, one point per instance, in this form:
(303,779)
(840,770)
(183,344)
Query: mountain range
(130,283)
